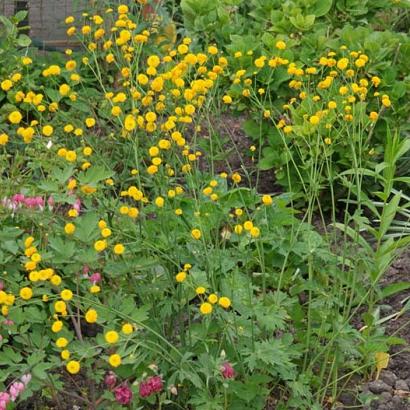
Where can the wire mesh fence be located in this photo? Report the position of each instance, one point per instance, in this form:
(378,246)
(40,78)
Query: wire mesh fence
(45,19)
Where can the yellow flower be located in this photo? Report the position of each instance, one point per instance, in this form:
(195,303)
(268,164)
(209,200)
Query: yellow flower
(127,328)
(66,294)
(332,105)
(71,156)
(119,249)
(6,85)
(106,232)
(26,293)
(259,62)
(64,89)
(267,200)
(287,129)
(61,342)
(26,60)
(212,298)
(224,302)
(373,116)
(65,354)
(196,233)
(69,228)
(15,117)
(200,290)
(95,289)
(91,316)
(115,360)
(130,123)
(238,229)
(60,306)
(55,280)
(314,120)
(212,50)
(180,277)
(280,45)
(100,245)
(159,202)
(255,232)
(227,99)
(206,308)
(111,337)
(73,367)
(57,326)
(90,122)
(343,63)
(248,225)
(4,138)
(327,141)
(102,224)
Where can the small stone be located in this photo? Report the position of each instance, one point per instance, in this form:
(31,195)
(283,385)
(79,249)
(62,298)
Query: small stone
(385,397)
(379,386)
(347,398)
(388,377)
(401,385)
(386,308)
(396,400)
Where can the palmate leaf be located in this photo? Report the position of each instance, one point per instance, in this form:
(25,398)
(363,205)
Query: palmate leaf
(275,353)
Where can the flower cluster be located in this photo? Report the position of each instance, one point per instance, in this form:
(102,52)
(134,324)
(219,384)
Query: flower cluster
(14,390)
(151,386)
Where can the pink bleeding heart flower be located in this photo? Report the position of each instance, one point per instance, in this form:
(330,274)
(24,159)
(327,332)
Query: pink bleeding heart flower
(95,278)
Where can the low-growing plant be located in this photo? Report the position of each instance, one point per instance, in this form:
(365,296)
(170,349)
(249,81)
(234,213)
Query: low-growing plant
(133,275)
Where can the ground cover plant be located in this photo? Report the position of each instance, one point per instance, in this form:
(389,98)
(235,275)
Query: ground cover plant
(140,269)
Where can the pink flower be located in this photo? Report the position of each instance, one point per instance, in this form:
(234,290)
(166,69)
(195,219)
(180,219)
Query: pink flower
(17,198)
(110,379)
(1,285)
(4,400)
(77,205)
(150,386)
(227,371)
(95,278)
(123,394)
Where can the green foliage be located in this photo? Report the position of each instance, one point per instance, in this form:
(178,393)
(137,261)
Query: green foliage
(124,255)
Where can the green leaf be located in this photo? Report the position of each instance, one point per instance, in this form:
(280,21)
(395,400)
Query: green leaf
(23,40)
(252,129)
(388,214)
(20,16)
(39,371)
(87,227)
(94,175)
(321,7)
(54,95)
(394,288)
